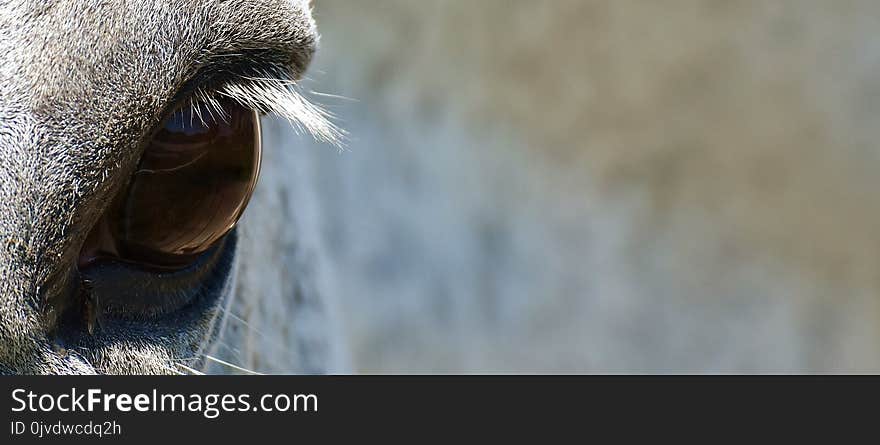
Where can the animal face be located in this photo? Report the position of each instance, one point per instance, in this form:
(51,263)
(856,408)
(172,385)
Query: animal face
(117,190)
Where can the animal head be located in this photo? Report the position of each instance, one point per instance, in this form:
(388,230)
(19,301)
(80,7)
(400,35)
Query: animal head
(101,269)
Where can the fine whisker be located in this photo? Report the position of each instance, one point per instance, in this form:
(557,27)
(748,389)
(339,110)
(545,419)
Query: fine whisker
(225,363)
(270,340)
(188,369)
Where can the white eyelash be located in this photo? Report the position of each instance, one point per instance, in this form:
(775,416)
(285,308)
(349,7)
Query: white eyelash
(271,93)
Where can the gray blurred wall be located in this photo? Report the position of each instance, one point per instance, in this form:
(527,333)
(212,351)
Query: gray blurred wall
(601,186)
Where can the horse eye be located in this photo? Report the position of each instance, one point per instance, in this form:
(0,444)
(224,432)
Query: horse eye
(191,186)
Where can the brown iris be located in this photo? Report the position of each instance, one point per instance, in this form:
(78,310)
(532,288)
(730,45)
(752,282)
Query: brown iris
(191,186)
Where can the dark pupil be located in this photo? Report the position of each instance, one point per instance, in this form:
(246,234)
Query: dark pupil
(189,189)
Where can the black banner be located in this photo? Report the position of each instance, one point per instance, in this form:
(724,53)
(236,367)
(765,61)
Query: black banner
(244,409)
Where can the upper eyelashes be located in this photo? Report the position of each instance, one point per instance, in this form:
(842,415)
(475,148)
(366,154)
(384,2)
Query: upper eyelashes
(271,91)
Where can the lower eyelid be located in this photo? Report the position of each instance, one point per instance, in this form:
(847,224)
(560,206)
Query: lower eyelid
(130,292)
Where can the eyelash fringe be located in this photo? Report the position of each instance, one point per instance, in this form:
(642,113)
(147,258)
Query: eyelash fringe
(273,92)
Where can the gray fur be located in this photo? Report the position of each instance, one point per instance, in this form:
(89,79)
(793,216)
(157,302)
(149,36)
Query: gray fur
(81,84)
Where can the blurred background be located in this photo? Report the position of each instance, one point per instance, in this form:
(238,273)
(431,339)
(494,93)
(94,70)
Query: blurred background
(601,186)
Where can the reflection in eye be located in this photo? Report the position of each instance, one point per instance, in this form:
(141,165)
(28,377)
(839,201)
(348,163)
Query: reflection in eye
(191,186)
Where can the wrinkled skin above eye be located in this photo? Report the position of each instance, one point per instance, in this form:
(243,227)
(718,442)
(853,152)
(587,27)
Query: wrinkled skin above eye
(191,186)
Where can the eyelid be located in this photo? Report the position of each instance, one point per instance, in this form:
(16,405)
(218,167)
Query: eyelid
(128,291)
